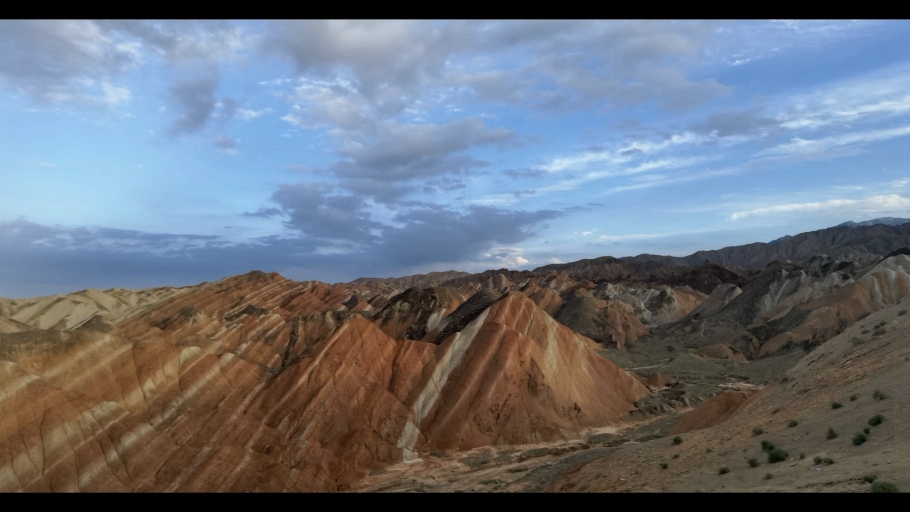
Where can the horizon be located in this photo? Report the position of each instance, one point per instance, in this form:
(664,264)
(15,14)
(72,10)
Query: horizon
(144,154)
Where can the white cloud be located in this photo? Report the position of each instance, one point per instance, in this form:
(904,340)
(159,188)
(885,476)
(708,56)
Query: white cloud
(248,114)
(824,147)
(875,205)
(115,95)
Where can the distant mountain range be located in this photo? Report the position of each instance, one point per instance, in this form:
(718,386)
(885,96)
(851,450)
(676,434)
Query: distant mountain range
(889,221)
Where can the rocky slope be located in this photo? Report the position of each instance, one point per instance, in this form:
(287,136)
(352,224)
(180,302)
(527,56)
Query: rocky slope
(260,383)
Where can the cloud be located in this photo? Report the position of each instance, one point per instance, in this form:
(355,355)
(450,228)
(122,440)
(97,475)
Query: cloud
(67,61)
(194,100)
(835,145)
(263,212)
(875,205)
(382,167)
(749,122)
(226,144)
(337,246)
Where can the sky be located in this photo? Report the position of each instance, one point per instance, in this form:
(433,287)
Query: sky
(137,154)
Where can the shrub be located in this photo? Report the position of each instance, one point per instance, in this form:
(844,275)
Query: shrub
(865,331)
(723,471)
(876,420)
(777,455)
(707,450)
(817,459)
(753,463)
(757,431)
(677,440)
(869,478)
(828,460)
(831,433)
(775,410)
(766,446)
(802,456)
(792,423)
(902,312)
(879,486)
(663,465)
(859,439)
(879,395)
(853,398)
(866,430)
(675,456)
(836,405)
(879,331)
(768,476)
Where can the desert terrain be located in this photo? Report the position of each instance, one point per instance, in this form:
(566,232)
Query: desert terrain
(771,367)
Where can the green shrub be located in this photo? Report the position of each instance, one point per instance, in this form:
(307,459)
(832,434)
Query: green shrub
(831,433)
(879,486)
(836,405)
(876,420)
(817,459)
(869,478)
(853,398)
(859,439)
(723,471)
(828,461)
(766,446)
(777,455)
(753,463)
(663,465)
(792,423)
(866,430)
(677,440)
(879,395)
(757,431)
(802,456)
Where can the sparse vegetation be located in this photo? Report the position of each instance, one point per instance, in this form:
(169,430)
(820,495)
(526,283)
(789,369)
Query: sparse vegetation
(677,440)
(853,398)
(859,439)
(757,431)
(831,433)
(768,476)
(879,486)
(723,471)
(664,465)
(766,446)
(753,463)
(817,459)
(866,430)
(836,405)
(792,423)
(879,331)
(675,456)
(775,410)
(876,420)
(777,455)
(828,461)
(802,456)
(869,478)
(865,331)
(879,395)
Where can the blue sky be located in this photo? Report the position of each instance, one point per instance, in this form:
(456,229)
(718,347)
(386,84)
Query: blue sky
(140,154)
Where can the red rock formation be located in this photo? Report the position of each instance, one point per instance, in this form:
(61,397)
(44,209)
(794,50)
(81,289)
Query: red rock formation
(260,383)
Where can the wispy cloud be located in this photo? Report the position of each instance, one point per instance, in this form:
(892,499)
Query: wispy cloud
(882,204)
(834,145)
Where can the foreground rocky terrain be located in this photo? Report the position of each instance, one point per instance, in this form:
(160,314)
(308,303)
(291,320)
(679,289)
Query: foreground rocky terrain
(646,373)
